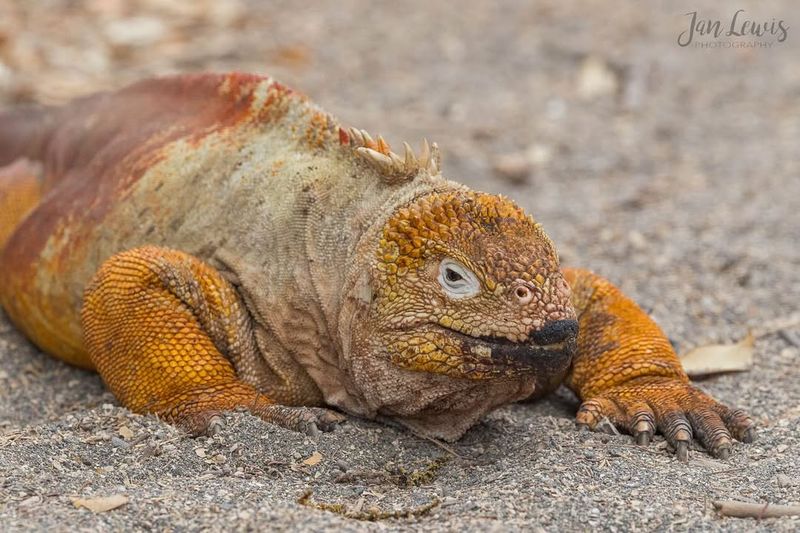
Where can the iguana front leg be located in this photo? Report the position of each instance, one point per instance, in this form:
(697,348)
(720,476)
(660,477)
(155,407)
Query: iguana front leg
(158,325)
(626,369)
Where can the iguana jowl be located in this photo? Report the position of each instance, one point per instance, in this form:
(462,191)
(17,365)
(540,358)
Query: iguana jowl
(210,242)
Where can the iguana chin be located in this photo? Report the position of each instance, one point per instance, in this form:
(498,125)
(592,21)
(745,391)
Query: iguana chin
(210,242)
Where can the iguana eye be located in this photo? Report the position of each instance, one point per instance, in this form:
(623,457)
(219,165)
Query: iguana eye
(457,280)
(452,276)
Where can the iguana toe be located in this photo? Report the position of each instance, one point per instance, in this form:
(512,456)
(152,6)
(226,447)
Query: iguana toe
(308,420)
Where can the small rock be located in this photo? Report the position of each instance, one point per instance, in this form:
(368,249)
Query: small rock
(119,443)
(226,13)
(539,154)
(596,78)
(514,168)
(637,240)
(151,450)
(135,31)
(125,432)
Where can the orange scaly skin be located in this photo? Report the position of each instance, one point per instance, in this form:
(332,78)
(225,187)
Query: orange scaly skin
(215,242)
(156,323)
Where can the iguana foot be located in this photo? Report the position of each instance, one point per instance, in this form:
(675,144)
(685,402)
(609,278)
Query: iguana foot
(676,409)
(309,420)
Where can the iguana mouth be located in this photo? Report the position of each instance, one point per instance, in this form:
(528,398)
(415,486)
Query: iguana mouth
(541,359)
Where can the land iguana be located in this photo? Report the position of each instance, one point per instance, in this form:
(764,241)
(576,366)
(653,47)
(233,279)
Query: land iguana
(214,242)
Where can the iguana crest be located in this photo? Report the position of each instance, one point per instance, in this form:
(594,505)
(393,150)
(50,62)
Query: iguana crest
(393,168)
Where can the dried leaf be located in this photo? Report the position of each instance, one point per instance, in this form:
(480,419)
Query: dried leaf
(126,433)
(200,452)
(313,459)
(219,459)
(101,504)
(716,358)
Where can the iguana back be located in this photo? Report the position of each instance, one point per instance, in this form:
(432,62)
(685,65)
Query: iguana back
(236,170)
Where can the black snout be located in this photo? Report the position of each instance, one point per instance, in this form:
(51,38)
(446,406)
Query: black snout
(555,332)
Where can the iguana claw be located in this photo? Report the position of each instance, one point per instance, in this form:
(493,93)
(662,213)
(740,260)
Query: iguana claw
(676,409)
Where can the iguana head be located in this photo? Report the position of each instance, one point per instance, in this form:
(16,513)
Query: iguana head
(468,285)
(468,304)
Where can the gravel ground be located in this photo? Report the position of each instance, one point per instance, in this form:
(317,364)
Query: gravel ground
(672,170)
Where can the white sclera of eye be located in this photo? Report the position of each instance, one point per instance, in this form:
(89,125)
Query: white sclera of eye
(465,287)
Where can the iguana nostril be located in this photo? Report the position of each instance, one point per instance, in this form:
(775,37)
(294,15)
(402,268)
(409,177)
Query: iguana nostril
(523,294)
(555,332)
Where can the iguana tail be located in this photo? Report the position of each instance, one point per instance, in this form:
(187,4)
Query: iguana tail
(24,135)
(25,132)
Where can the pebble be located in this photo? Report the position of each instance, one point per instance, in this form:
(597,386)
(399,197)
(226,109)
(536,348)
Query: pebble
(514,168)
(119,443)
(596,78)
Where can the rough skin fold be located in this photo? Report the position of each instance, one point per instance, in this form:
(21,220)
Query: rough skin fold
(217,242)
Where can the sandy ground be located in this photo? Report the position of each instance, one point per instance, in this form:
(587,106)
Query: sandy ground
(674,171)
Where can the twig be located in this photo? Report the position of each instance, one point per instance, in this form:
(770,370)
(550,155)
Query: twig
(390,422)
(755,510)
(372,514)
(438,443)
(790,337)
